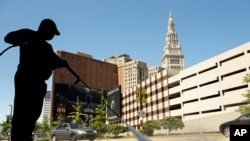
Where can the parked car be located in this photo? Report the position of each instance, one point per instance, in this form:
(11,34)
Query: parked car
(242,120)
(72,132)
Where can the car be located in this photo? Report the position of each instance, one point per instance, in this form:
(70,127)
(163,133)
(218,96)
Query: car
(72,132)
(241,120)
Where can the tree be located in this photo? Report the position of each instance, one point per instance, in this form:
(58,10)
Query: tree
(245,108)
(37,128)
(76,116)
(116,129)
(58,121)
(149,127)
(98,122)
(6,127)
(45,127)
(172,123)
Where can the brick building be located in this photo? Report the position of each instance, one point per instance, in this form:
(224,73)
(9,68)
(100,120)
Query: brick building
(96,74)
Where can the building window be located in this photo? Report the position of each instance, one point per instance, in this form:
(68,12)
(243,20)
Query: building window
(175,61)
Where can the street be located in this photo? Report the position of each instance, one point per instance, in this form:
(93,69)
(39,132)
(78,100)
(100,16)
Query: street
(195,137)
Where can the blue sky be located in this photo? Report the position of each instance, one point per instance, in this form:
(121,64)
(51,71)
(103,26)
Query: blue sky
(105,28)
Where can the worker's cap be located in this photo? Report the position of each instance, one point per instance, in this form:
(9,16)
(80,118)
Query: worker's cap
(49,24)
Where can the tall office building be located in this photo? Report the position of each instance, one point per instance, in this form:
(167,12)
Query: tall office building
(130,72)
(47,104)
(172,59)
(154,70)
(120,60)
(134,73)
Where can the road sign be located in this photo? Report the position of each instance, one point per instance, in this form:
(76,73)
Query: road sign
(141,114)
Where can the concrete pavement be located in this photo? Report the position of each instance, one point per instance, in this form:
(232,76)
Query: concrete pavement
(195,137)
(190,137)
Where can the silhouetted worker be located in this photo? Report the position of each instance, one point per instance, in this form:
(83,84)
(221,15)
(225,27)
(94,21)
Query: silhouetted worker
(36,62)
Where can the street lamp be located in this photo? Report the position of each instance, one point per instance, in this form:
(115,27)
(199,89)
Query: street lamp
(10,109)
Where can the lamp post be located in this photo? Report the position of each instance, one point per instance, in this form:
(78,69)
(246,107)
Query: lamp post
(10,110)
(140,97)
(9,120)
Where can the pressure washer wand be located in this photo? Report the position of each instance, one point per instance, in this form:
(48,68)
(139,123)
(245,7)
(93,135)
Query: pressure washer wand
(7,49)
(76,75)
(138,135)
(80,80)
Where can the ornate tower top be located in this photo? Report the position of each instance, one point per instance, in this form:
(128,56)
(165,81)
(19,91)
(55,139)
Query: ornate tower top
(172,59)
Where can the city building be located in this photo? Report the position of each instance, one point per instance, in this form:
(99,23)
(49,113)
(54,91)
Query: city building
(154,70)
(202,96)
(95,74)
(130,72)
(47,104)
(120,62)
(134,72)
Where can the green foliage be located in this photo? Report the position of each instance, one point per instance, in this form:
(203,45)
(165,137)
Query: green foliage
(37,127)
(6,127)
(149,127)
(116,129)
(76,116)
(245,108)
(172,123)
(58,121)
(98,122)
(43,128)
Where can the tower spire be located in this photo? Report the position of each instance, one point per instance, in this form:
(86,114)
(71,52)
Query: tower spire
(172,59)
